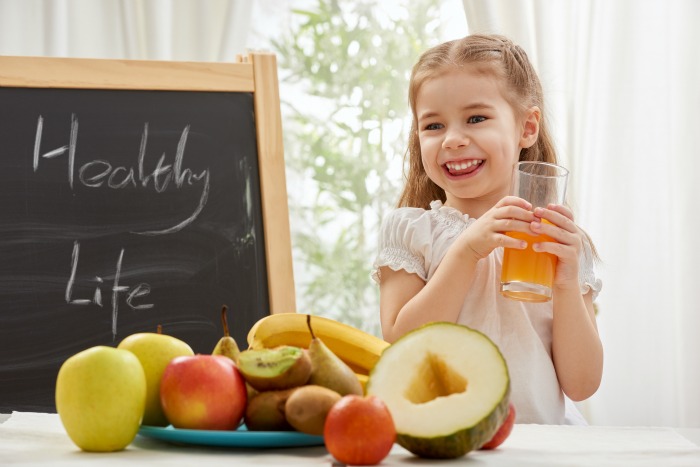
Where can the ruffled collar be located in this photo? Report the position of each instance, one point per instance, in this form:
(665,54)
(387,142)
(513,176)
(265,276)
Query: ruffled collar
(440,208)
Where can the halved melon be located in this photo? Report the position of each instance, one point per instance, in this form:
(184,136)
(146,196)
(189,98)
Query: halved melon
(447,388)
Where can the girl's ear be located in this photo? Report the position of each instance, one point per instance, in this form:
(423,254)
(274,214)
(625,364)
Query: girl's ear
(531,127)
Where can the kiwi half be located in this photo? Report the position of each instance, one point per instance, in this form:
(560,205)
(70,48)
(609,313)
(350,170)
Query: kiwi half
(278,368)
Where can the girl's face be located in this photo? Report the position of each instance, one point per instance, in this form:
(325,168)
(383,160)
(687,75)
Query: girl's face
(470,137)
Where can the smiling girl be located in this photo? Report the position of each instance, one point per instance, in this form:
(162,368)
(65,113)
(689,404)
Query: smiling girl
(477,110)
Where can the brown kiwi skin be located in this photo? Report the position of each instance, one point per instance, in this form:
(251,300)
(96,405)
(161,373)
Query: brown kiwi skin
(296,375)
(266,411)
(307,407)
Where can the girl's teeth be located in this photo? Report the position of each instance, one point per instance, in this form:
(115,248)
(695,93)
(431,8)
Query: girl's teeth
(462,165)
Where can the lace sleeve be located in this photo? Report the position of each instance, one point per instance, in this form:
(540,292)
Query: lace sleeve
(401,243)
(587,277)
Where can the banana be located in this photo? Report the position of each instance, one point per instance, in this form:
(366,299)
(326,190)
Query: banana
(358,349)
(364,379)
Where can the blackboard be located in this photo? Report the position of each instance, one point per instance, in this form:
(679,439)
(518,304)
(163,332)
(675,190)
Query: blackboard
(124,206)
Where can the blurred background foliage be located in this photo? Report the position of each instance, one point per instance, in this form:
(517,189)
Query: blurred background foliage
(344,73)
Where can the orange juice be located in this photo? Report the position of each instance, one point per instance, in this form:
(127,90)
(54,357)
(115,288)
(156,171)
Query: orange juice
(528,275)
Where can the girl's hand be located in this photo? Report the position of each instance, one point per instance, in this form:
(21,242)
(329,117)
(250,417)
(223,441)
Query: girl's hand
(510,214)
(567,245)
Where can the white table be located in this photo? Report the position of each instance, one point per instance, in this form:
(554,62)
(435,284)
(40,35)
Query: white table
(39,439)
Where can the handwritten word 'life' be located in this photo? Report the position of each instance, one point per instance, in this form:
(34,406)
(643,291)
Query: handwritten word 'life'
(99,173)
(132,293)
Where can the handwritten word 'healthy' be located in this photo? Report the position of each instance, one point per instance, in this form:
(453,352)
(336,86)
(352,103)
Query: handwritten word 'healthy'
(99,173)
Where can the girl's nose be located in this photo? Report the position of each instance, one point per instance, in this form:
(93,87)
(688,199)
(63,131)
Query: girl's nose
(455,139)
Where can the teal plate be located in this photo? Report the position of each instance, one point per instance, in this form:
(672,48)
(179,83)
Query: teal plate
(241,438)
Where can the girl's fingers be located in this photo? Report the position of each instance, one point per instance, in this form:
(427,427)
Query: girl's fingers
(560,217)
(512,225)
(509,242)
(554,248)
(557,233)
(515,212)
(514,201)
(565,253)
(561,210)
(562,229)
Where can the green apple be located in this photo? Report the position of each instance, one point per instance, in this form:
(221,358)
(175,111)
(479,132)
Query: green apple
(154,351)
(100,396)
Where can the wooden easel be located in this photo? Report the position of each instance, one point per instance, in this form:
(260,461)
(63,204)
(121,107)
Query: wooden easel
(255,73)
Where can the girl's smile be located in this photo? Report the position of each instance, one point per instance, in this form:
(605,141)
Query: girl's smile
(463,168)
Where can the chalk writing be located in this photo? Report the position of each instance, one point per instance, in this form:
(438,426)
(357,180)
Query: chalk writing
(100,173)
(132,293)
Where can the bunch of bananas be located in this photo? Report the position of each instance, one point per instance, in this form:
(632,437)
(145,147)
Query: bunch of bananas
(358,349)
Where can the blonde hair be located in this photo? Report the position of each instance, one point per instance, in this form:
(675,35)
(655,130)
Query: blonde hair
(522,89)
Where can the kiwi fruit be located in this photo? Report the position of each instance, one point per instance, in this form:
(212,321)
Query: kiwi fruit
(307,407)
(266,411)
(274,369)
(250,391)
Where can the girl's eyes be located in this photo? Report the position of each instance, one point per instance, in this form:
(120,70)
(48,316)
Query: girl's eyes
(439,126)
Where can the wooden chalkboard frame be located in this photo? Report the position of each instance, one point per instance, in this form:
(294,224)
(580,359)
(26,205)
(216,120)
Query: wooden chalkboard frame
(255,73)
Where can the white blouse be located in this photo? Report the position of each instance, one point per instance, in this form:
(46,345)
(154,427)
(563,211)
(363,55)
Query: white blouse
(415,240)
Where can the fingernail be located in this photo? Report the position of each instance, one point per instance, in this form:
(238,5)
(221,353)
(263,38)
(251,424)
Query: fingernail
(523,245)
(535,225)
(536,246)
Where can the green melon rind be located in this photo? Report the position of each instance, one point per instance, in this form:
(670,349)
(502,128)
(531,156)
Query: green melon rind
(461,442)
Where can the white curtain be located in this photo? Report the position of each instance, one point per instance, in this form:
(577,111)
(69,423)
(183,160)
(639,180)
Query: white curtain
(622,81)
(186,30)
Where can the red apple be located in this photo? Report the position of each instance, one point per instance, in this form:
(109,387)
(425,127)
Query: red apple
(203,392)
(359,430)
(504,431)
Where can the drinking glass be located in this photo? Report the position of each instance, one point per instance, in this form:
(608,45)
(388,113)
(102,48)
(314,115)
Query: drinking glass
(528,275)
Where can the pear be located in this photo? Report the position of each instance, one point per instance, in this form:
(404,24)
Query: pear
(227,345)
(328,370)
